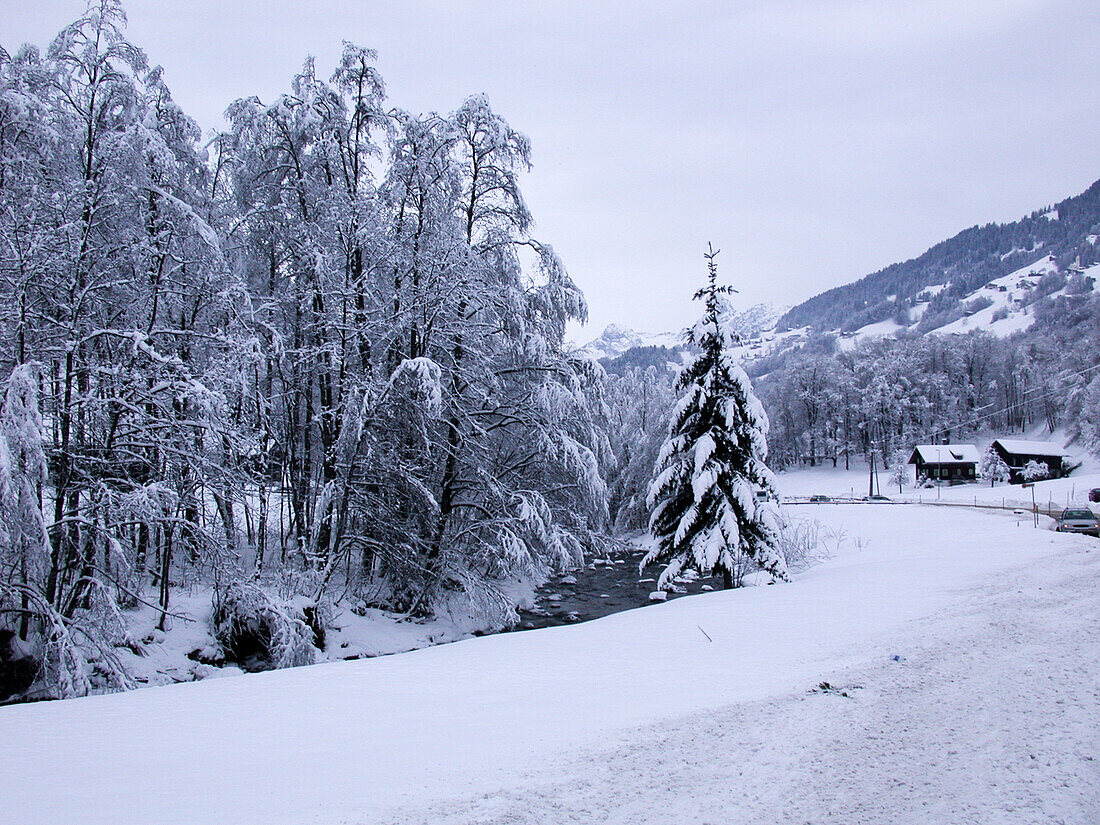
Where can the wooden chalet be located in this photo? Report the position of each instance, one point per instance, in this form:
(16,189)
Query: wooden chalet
(953,463)
(1016,454)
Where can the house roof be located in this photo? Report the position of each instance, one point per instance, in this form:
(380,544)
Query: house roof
(1050,448)
(945,454)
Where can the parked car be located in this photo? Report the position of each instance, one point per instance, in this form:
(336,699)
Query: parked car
(820,499)
(1078,520)
(1094,494)
(877,497)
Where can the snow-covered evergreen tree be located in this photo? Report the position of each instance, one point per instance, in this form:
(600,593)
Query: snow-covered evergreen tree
(705,514)
(993,467)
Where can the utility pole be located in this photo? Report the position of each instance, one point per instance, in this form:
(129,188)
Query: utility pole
(1034,506)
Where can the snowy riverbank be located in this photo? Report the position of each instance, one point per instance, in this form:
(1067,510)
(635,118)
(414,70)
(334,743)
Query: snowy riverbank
(478,731)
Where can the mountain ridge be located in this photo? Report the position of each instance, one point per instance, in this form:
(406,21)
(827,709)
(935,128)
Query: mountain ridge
(965,262)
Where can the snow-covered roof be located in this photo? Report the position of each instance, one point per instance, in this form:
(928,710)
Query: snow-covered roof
(1031,447)
(946,453)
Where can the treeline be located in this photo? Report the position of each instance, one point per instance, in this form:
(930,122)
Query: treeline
(887,394)
(967,261)
(323,349)
(662,359)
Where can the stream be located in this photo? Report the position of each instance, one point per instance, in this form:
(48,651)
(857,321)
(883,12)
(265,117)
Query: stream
(605,585)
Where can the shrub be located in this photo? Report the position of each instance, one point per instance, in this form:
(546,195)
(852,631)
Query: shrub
(805,542)
(978,304)
(260,631)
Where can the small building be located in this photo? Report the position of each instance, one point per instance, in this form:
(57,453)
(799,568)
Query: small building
(1016,454)
(953,463)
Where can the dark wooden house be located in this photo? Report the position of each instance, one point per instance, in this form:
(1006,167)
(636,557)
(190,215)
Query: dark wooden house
(1016,454)
(953,463)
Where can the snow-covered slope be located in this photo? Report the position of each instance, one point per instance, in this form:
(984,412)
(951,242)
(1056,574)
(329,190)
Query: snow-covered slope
(1008,295)
(1008,311)
(949,716)
(882,329)
(754,322)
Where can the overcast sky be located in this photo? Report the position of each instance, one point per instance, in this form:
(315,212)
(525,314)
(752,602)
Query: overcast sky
(812,141)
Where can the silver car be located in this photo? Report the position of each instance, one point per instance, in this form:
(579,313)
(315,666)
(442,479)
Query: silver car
(1078,520)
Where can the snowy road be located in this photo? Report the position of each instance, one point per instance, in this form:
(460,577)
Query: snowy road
(990,717)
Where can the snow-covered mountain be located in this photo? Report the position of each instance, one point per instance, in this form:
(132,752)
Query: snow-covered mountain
(756,321)
(1063,233)
(751,324)
(616,340)
(1002,306)
(985,277)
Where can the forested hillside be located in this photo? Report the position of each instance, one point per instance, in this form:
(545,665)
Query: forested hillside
(828,404)
(1067,231)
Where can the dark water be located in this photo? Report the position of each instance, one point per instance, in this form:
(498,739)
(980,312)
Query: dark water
(604,586)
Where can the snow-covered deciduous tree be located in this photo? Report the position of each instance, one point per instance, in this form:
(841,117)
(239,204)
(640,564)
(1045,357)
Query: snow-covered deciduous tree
(639,403)
(61,645)
(324,349)
(899,468)
(705,512)
(1036,471)
(993,467)
(1089,417)
(24,544)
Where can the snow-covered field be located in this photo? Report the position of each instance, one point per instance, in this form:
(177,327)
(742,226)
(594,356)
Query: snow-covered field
(1051,494)
(965,642)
